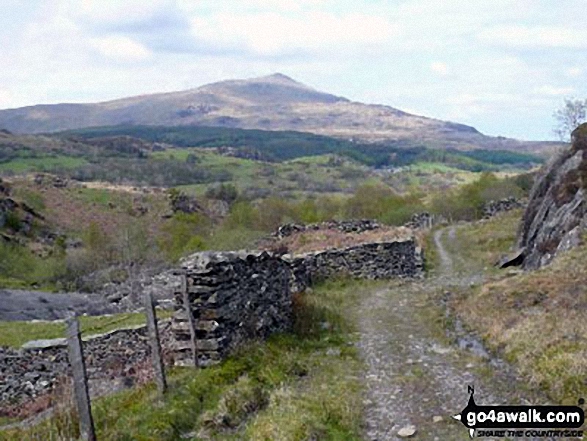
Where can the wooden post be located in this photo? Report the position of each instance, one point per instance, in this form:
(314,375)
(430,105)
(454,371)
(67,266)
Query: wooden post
(158,366)
(80,380)
(190,317)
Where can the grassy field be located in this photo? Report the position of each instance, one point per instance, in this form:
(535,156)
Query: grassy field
(477,246)
(296,386)
(15,334)
(299,177)
(46,163)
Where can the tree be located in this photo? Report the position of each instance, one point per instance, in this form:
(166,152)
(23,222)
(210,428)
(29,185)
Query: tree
(569,117)
(135,249)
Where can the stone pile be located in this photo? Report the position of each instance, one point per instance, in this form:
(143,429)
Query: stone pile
(351,226)
(492,208)
(234,296)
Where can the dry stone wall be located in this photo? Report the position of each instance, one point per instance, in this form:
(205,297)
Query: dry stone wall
(234,297)
(350,226)
(239,296)
(367,261)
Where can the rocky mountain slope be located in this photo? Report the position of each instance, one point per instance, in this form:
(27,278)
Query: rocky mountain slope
(556,213)
(274,102)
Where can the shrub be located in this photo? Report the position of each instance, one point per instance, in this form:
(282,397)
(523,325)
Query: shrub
(466,202)
(382,203)
(183,234)
(223,192)
(12,221)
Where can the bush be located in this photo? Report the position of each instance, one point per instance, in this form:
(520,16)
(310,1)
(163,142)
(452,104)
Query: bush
(21,268)
(223,192)
(12,221)
(183,234)
(467,201)
(382,203)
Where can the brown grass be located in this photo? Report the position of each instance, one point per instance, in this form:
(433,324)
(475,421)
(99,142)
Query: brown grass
(309,241)
(539,321)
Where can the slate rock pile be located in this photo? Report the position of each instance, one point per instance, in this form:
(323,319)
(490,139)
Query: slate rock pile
(127,294)
(36,369)
(27,374)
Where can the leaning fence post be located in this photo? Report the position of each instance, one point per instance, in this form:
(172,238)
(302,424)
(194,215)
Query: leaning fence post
(158,366)
(80,380)
(190,318)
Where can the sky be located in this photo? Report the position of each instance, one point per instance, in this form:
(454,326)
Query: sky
(502,66)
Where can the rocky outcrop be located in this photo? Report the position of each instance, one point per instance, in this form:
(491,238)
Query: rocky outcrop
(48,180)
(555,216)
(16,217)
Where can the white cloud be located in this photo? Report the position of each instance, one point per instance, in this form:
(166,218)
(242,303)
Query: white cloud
(468,99)
(120,48)
(272,33)
(439,68)
(554,91)
(6,98)
(115,11)
(574,72)
(536,36)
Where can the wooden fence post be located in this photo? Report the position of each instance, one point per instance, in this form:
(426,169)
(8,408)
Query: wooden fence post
(190,318)
(158,366)
(80,380)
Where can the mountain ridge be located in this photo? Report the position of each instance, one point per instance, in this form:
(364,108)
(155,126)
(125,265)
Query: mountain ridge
(274,102)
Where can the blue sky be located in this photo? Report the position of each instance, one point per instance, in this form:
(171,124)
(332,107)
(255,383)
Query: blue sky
(502,66)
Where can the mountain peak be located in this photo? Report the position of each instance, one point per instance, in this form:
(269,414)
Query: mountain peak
(280,79)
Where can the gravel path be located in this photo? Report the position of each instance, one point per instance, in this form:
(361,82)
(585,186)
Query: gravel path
(416,375)
(445,259)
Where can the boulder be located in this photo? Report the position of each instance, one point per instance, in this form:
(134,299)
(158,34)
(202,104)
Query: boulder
(514,259)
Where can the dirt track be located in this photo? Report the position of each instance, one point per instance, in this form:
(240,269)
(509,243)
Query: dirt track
(416,373)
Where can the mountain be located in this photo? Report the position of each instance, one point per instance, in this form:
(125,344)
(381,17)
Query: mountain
(274,102)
